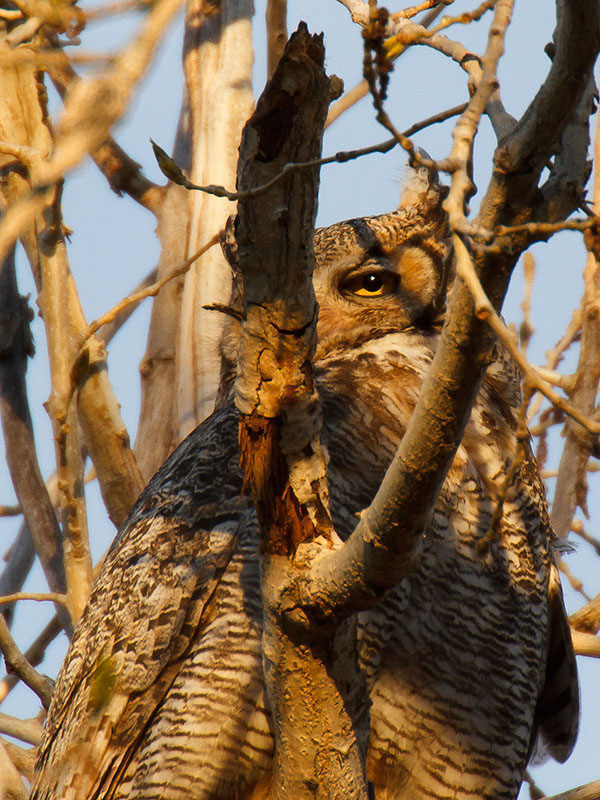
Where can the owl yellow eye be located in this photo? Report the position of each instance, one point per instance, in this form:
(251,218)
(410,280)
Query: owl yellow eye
(372,284)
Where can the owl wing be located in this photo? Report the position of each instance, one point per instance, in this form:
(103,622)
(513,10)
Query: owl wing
(558,705)
(149,604)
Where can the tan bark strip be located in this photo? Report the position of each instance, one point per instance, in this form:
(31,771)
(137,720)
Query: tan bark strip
(276,22)
(62,348)
(218,58)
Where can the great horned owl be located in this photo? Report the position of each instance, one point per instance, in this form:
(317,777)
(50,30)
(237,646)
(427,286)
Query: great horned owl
(161,693)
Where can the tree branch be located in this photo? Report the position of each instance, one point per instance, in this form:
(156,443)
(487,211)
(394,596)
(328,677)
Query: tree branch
(276,23)
(571,485)
(589,791)
(11,785)
(27,730)
(382,547)
(280,425)
(34,654)
(15,347)
(122,172)
(39,684)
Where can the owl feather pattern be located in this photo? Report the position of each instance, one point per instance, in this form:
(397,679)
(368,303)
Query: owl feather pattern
(161,694)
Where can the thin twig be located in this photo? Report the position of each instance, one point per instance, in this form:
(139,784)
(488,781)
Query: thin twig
(10,511)
(40,684)
(172,171)
(576,583)
(485,310)
(149,291)
(34,654)
(40,597)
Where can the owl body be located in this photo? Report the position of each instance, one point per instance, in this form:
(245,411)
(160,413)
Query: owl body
(162,695)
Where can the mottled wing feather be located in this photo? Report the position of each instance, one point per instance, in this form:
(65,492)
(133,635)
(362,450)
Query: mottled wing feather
(558,706)
(149,604)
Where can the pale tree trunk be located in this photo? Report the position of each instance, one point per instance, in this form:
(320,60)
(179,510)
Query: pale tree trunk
(218,60)
(181,367)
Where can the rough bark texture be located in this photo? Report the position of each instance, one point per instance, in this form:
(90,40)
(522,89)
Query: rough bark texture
(317,755)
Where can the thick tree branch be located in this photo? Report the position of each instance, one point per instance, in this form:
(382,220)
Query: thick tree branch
(280,426)
(589,791)
(380,550)
(27,730)
(276,24)
(587,619)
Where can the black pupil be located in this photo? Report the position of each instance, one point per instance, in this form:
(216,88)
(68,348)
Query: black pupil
(372,283)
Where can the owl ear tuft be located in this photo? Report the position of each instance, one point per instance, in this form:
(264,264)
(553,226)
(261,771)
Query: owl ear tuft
(423,188)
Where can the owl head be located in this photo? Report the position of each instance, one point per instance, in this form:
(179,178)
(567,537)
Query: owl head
(376,275)
(373,275)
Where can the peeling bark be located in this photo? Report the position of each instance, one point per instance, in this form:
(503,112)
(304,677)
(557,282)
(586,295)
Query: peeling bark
(317,754)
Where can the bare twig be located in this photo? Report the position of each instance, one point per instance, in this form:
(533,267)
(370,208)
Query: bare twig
(109,330)
(53,597)
(172,171)
(589,791)
(39,684)
(576,583)
(149,291)
(34,654)
(461,188)
(577,525)
(27,730)
(485,310)
(535,793)
(352,96)
(10,511)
